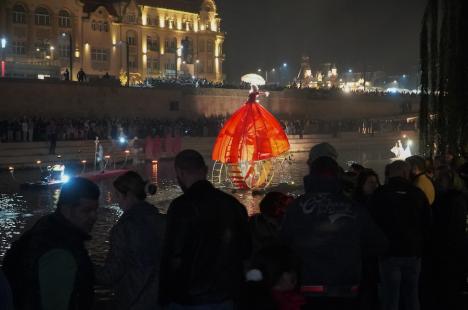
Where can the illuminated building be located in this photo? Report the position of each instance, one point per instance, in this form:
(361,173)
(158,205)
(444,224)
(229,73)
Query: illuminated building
(326,77)
(164,38)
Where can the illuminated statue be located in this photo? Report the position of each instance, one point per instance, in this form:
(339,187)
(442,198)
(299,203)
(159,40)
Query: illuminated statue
(400,152)
(248,146)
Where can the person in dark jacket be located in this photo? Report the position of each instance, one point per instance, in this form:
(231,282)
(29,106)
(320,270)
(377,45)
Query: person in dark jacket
(132,264)
(206,242)
(265,226)
(402,212)
(330,233)
(448,250)
(49,268)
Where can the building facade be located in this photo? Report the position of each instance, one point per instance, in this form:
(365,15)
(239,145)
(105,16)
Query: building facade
(147,38)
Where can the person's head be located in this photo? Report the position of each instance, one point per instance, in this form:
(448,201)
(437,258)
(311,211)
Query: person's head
(322,150)
(356,168)
(78,203)
(367,182)
(131,189)
(253,88)
(274,204)
(417,165)
(190,167)
(398,169)
(325,176)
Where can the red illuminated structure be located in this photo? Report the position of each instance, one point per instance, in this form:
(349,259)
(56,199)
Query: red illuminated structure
(248,146)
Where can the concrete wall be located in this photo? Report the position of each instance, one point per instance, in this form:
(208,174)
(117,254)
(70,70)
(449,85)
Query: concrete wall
(60,99)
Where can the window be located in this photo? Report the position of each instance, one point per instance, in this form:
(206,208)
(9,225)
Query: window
(94,25)
(42,17)
(132,63)
(209,47)
(131,18)
(105,26)
(19,47)
(64,19)
(64,51)
(152,44)
(131,39)
(152,20)
(99,54)
(153,65)
(174,44)
(19,14)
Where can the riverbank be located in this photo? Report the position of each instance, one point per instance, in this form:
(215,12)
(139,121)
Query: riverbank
(358,147)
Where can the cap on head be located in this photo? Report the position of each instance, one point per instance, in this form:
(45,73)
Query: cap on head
(75,190)
(190,161)
(322,150)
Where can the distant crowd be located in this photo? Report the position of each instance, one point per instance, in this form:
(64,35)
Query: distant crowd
(28,129)
(348,243)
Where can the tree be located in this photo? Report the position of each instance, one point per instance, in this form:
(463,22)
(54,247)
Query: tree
(444,77)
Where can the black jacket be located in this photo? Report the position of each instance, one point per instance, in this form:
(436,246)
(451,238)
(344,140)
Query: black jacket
(132,264)
(402,211)
(21,262)
(206,240)
(330,233)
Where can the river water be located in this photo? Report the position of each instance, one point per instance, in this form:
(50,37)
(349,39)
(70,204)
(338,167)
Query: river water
(20,209)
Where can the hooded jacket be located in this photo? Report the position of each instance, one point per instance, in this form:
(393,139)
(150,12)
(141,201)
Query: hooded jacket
(330,233)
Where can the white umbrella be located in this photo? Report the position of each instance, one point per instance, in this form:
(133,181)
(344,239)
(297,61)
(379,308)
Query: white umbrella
(253,79)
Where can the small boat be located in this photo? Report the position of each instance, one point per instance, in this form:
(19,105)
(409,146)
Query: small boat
(52,177)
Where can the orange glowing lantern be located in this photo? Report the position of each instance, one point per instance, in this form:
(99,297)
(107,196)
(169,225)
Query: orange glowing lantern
(248,145)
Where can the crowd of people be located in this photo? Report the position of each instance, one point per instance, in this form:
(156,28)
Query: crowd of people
(347,243)
(29,129)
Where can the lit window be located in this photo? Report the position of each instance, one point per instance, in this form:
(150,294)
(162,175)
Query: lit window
(42,16)
(19,14)
(64,51)
(19,48)
(64,19)
(131,39)
(99,55)
(131,18)
(153,65)
(132,63)
(152,44)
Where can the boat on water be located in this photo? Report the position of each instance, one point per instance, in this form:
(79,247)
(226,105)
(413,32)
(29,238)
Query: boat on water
(55,176)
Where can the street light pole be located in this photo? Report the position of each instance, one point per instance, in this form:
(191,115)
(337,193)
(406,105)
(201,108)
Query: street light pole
(70,42)
(3,43)
(128,64)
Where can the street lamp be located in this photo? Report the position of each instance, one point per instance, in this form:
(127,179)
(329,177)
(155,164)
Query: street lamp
(70,43)
(196,67)
(285,65)
(3,44)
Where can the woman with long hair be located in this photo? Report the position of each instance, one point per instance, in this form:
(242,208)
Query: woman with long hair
(132,264)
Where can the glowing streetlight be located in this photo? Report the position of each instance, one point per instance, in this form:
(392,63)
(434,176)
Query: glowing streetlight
(350,70)
(3,42)
(259,70)
(273,70)
(404,76)
(285,65)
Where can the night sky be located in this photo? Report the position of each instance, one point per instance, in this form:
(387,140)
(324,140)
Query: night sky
(376,34)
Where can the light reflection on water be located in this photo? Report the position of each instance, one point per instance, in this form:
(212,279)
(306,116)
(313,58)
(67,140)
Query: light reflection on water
(20,209)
